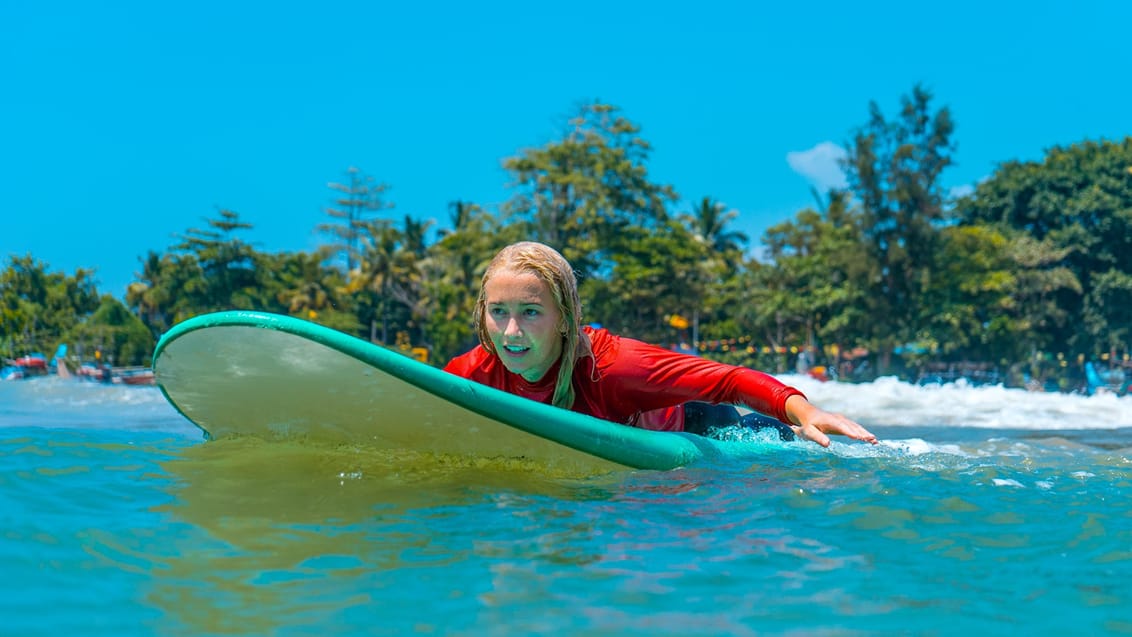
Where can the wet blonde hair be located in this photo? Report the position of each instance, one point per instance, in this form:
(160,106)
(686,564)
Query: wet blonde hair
(554,270)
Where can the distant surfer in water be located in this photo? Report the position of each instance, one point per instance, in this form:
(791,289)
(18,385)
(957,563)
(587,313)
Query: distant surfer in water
(533,344)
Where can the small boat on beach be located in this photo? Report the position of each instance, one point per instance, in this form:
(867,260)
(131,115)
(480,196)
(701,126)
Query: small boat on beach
(29,366)
(116,375)
(132,376)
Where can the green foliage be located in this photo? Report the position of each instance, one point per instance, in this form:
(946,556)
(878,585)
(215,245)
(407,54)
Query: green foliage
(1075,208)
(656,273)
(1035,265)
(226,267)
(968,296)
(578,194)
(307,288)
(709,223)
(1108,310)
(894,167)
(36,306)
(357,201)
(894,170)
(157,296)
(118,335)
(817,289)
(388,282)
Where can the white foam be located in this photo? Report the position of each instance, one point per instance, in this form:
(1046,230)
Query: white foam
(61,402)
(890,402)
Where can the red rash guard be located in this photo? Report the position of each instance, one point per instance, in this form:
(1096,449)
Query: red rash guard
(636,383)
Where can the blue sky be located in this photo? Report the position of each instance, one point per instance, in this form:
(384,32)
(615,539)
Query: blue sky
(125,123)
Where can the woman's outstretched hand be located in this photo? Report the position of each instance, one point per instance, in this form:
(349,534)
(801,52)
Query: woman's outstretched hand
(814,423)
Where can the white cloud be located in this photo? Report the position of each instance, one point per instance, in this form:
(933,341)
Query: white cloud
(961,191)
(820,165)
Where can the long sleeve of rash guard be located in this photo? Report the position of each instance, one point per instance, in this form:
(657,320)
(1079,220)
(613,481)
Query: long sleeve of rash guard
(650,377)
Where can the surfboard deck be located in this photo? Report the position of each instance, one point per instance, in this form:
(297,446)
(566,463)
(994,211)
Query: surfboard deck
(278,377)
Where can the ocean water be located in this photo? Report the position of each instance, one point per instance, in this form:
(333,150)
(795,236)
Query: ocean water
(984,511)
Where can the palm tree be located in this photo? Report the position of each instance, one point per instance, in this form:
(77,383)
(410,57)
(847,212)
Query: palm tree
(375,272)
(304,283)
(709,223)
(361,197)
(150,297)
(451,272)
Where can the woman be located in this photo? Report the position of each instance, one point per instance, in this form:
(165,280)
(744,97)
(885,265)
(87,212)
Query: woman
(533,343)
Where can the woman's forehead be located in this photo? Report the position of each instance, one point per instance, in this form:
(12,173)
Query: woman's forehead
(510,286)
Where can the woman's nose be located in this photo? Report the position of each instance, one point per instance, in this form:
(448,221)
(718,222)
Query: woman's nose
(512,327)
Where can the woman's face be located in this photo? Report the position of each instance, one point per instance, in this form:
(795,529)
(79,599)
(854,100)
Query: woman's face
(524,322)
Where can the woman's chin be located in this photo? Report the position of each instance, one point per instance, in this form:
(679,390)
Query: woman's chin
(515,367)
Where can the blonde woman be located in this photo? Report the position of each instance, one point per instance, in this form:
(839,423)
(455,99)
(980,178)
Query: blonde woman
(533,343)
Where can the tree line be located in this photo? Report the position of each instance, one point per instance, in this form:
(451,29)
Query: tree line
(1030,272)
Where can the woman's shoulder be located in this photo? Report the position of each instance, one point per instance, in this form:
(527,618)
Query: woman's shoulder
(611,349)
(623,353)
(608,342)
(603,343)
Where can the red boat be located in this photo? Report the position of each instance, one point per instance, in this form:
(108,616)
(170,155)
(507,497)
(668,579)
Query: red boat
(35,361)
(133,376)
(28,366)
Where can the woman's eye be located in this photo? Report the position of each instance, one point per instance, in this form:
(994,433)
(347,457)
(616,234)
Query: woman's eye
(531,312)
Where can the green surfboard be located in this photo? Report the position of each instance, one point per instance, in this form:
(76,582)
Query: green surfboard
(277,377)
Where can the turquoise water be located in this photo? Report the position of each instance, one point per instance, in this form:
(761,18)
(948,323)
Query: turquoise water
(985,511)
